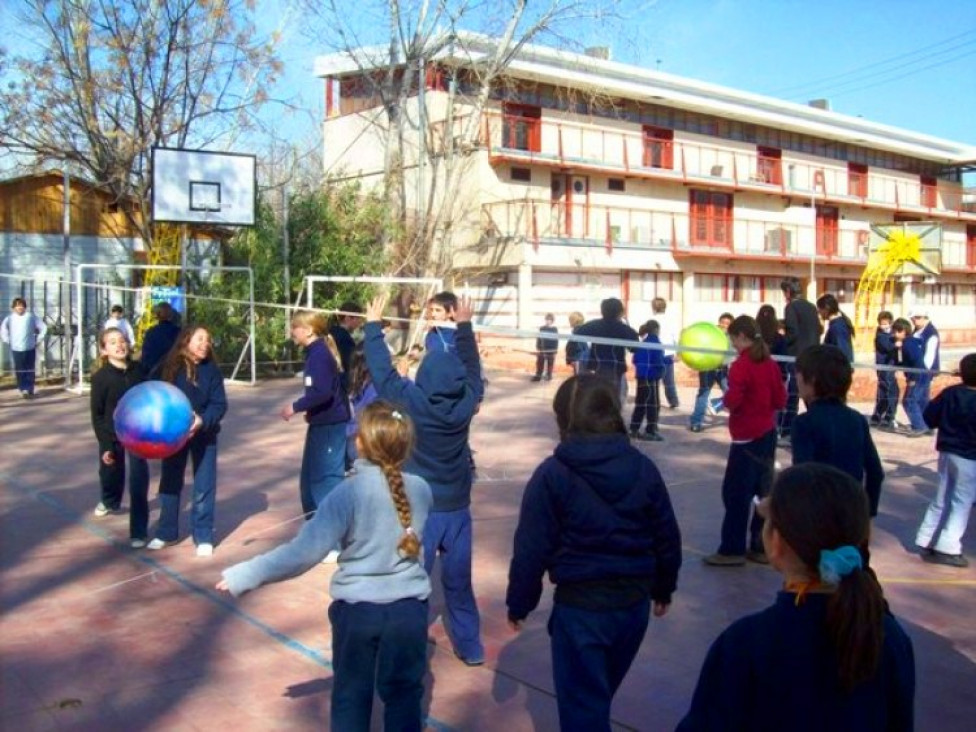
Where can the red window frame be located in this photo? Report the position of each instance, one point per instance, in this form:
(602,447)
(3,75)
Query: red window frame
(658,148)
(971,246)
(857,180)
(769,165)
(827,218)
(710,219)
(929,192)
(522,127)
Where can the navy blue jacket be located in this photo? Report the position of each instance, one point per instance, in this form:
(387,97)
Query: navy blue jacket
(156,344)
(953,413)
(910,356)
(884,347)
(324,400)
(649,362)
(207,396)
(831,432)
(775,670)
(606,359)
(595,512)
(346,345)
(441,404)
(839,334)
(547,345)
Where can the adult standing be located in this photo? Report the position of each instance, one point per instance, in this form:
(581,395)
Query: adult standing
(669,337)
(349,319)
(21,330)
(606,360)
(802,331)
(928,337)
(158,340)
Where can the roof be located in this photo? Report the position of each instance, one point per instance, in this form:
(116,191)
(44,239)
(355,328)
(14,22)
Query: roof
(580,71)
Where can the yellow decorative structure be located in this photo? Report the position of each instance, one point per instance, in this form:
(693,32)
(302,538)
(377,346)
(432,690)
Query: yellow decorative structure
(165,250)
(893,250)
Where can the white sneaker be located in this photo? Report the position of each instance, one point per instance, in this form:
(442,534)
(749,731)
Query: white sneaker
(331,558)
(204,550)
(138,543)
(157,544)
(101,510)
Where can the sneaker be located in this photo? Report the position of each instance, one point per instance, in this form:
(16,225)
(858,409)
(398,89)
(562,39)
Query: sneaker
(25,395)
(724,560)
(101,509)
(696,428)
(652,436)
(710,408)
(916,433)
(874,421)
(204,550)
(949,560)
(634,434)
(536,378)
(157,544)
(757,557)
(138,543)
(331,558)
(473,660)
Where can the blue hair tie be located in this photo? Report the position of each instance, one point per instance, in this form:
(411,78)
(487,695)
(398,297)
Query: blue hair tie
(838,563)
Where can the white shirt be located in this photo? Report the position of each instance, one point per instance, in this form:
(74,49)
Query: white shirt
(22,332)
(123,325)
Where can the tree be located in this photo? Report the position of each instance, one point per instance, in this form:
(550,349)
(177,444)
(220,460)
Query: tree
(110,80)
(416,34)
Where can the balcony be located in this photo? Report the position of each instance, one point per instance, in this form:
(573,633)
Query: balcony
(541,222)
(600,149)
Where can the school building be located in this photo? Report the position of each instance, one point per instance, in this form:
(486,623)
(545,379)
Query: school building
(581,178)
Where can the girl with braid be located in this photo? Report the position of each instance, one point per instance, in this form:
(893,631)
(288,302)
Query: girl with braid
(380,589)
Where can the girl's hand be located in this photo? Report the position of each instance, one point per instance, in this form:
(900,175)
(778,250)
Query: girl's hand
(287,412)
(108,458)
(376,308)
(222,586)
(197,424)
(660,609)
(464,310)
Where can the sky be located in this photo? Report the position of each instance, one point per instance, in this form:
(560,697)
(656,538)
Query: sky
(905,63)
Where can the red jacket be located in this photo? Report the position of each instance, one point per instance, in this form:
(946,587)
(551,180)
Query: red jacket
(756,392)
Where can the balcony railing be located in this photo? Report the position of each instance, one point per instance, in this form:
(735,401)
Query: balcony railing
(546,222)
(608,150)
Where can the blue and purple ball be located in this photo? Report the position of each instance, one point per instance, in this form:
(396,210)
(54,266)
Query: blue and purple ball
(153,419)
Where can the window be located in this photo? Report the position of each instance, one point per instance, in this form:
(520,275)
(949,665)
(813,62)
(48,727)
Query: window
(857,180)
(658,148)
(940,294)
(769,165)
(929,192)
(522,175)
(971,246)
(521,127)
(729,288)
(616,184)
(843,290)
(711,219)
(827,217)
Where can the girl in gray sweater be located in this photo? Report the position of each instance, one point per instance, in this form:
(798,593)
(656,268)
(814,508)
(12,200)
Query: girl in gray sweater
(380,589)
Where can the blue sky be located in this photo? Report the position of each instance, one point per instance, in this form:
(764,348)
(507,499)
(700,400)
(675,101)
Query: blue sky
(905,63)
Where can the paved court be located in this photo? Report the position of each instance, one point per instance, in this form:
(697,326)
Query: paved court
(95,636)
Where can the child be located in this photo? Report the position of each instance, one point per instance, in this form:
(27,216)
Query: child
(597,517)
(829,431)
(347,321)
(116,374)
(827,655)
(380,589)
(708,379)
(840,330)
(192,368)
(117,320)
(755,393)
(607,360)
(546,348)
(441,308)
(362,393)
(22,331)
(649,370)
(951,413)
(908,354)
(326,411)
(886,401)
(441,401)
(577,352)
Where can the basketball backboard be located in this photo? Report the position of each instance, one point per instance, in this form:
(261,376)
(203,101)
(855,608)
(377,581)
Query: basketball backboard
(197,186)
(909,248)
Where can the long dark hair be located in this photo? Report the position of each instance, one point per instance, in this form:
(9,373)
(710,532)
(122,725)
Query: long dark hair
(587,404)
(747,327)
(768,324)
(177,360)
(828,304)
(816,507)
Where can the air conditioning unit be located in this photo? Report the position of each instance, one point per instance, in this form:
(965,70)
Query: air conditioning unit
(779,240)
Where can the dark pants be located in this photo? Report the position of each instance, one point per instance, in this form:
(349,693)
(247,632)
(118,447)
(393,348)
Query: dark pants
(591,653)
(670,390)
(647,404)
(323,464)
(112,478)
(544,361)
(924,391)
(24,368)
(792,402)
(912,401)
(748,473)
(448,533)
(202,449)
(382,647)
(886,400)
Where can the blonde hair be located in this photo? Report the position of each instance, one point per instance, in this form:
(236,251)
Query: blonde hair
(320,327)
(576,319)
(102,358)
(386,438)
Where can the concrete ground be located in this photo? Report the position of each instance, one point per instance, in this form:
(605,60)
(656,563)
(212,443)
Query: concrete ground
(96,636)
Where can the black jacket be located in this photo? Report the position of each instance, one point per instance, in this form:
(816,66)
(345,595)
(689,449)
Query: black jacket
(953,413)
(802,326)
(107,387)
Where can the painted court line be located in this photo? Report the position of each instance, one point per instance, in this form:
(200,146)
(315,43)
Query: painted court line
(228,605)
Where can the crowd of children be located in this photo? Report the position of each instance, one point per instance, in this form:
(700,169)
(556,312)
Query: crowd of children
(386,483)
